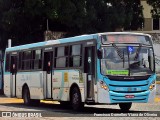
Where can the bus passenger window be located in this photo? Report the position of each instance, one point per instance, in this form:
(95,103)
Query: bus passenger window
(7,68)
(37,59)
(20,61)
(61,57)
(26,60)
(75,56)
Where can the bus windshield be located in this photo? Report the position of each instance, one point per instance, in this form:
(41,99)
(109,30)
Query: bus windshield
(127,60)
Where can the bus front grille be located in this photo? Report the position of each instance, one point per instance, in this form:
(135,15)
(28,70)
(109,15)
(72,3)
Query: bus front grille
(129,91)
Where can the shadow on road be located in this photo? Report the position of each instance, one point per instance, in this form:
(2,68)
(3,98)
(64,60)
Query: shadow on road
(57,108)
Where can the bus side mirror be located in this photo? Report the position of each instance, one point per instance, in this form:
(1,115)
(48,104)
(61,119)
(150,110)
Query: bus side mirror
(99,53)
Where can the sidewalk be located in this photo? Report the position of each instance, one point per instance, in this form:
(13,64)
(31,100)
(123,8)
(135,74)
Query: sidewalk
(2,96)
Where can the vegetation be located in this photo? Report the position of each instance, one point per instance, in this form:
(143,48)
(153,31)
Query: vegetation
(24,21)
(155,8)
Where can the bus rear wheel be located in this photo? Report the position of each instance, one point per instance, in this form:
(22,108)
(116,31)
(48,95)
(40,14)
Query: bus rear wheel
(26,96)
(27,100)
(76,99)
(125,106)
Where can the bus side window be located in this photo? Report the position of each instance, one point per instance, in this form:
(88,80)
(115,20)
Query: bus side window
(20,61)
(37,59)
(61,57)
(26,60)
(75,56)
(7,62)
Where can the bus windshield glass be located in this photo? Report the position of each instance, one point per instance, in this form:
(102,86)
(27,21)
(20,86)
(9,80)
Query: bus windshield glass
(125,38)
(127,60)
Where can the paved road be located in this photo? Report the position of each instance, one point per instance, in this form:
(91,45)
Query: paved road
(58,112)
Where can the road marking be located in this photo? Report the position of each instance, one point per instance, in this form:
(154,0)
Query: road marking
(15,100)
(157,99)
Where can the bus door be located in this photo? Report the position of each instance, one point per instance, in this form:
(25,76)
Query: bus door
(13,69)
(89,69)
(47,66)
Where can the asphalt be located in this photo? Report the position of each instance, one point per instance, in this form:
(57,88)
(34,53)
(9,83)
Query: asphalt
(5,99)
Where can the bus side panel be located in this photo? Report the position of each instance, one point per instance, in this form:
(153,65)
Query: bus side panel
(19,84)
(152,95)
(76,76)
(36,85)
(7,87)
(57,84)
(103,95)
(65,86)
(21,79)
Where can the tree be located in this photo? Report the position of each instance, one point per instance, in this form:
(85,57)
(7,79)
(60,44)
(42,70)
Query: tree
(24,21)
(155,8)
(136,15)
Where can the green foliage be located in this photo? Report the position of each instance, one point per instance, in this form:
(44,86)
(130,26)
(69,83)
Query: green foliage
(155,8)
(24,21)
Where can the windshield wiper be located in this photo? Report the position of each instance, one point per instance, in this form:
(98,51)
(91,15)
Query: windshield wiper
(118,51)
(137,52)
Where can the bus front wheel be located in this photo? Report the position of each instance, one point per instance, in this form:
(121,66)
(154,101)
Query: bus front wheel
(125,106)
(76,99)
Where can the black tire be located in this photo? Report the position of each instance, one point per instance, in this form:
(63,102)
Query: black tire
(125,106)
(35,102)
(65,104)
(27,100)
(76,101)
(26,96)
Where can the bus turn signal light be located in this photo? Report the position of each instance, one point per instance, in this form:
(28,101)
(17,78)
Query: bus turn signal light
(151,87)
(103,85)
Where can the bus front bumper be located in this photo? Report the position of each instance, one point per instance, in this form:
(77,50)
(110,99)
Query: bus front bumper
(142,97)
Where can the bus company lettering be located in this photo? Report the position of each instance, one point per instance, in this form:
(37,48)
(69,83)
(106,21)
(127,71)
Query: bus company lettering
(65,77)
(75,77)
(55,80)
(24,78)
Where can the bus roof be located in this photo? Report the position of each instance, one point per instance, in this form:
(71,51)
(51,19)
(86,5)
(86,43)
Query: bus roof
(131,33)
(53,42)
(65,40)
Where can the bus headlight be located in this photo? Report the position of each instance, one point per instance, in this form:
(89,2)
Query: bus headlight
(151,87)
(104,86)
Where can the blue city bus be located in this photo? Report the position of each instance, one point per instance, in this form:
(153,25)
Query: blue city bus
(102,68)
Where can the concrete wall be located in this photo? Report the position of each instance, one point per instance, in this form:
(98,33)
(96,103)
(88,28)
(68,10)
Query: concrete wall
(147,24)
(147,16)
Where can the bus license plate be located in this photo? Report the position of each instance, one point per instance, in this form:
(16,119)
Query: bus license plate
(129,96)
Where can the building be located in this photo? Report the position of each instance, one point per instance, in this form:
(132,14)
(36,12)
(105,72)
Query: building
(150,24)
